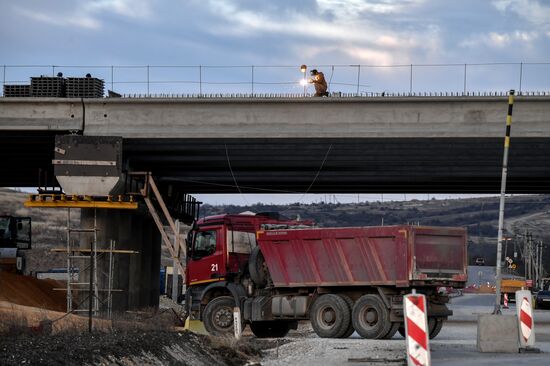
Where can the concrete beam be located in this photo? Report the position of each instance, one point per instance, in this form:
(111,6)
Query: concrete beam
(40,114)
(358,117)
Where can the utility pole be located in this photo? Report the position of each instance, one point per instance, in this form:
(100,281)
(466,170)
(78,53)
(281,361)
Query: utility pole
(541,269)
(527,258)
(541,266)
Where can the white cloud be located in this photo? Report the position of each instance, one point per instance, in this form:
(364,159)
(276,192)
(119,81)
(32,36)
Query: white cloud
(62,20)
(86,14)
(128,8)
(501,40)
(369,55)
(353,8)
(532,11)
(347,28)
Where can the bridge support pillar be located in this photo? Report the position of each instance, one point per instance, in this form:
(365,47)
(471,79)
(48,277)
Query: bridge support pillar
(135,277)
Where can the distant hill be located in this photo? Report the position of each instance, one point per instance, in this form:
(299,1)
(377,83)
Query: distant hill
(478,215)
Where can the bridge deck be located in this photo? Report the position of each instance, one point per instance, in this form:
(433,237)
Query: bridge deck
(279,145)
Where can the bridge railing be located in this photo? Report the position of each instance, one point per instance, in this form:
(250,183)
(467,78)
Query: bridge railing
(266,80)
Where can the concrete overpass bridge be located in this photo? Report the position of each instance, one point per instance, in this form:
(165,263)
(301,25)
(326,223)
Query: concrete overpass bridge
(355,144)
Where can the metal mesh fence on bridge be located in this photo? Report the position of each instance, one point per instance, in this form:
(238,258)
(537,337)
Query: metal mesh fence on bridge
(481,79)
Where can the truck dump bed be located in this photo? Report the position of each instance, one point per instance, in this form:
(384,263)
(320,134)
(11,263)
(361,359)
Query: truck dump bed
(399,256)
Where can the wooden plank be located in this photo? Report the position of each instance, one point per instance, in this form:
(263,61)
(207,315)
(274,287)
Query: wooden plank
(87,250)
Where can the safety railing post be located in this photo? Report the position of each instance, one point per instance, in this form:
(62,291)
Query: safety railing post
(465,68)
(200,80)
(358,78)
(411,80)
(147,80)
(3,79)
(520,76)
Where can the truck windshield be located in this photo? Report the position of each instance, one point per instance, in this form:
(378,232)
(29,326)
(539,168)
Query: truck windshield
(205,244)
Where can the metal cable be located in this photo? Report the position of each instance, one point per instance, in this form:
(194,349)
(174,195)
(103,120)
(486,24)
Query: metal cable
(315,178)
(233,175)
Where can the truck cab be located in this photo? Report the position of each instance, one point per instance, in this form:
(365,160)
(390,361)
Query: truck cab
(15,236)
(218,249)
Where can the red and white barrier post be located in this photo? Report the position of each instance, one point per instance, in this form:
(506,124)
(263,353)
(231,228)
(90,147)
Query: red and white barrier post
(416,329)
(524,311)
(505,306)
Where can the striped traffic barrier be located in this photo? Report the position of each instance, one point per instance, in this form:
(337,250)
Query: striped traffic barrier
(416,329)
(524,311)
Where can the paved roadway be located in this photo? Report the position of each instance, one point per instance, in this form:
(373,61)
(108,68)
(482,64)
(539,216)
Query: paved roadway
(455,345)
(466,308)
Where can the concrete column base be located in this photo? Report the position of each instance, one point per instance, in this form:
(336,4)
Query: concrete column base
(137,275)
(497,333)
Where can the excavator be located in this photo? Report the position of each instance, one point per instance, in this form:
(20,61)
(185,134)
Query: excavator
(15,238)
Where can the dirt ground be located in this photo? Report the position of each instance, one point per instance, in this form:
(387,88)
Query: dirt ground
(29,291)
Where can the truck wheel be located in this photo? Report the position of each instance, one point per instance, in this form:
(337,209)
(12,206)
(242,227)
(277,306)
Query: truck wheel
(434,327)
(270,329)
(371,318)
(401,330)
(350,329)
(393,329)
(218,316)
(257,268)
(329,316)
(434,331)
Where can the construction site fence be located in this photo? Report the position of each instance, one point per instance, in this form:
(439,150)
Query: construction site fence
(277,80)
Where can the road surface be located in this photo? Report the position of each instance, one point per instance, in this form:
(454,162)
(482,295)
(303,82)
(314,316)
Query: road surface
(455,345)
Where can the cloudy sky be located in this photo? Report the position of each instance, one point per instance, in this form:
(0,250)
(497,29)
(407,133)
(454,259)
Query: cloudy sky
(128,32)
(283,32)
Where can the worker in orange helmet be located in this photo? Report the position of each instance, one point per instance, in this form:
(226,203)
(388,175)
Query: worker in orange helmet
(318,80)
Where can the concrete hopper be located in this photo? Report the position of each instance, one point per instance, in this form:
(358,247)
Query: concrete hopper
(88,165)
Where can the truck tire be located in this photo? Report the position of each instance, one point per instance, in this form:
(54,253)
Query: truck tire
(330,316)
(257,268)
(434,327)
(401,330)
(218,316)
(270,329)
(393,329)
(434,331)
(350,329)
(371,318)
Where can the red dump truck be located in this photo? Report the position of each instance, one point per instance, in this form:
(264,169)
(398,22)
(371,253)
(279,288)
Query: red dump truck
(280,271)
